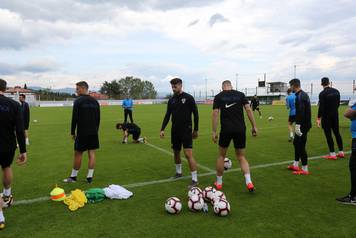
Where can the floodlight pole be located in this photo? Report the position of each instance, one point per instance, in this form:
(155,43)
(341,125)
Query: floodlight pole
(237,76)
(295,71)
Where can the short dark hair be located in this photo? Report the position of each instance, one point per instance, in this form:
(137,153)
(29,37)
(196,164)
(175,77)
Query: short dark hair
(294,82)
(119,126)
(289,90)
(226,82)
(325,81)
(3,85)
(22,95)
(82,84)
(176,81)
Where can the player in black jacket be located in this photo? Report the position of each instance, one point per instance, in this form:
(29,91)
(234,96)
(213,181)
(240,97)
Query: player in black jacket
(302,127)
(84,130)
(11,128)
(181,107)
(26,115)
(255,105)
(131,129)
(328,118)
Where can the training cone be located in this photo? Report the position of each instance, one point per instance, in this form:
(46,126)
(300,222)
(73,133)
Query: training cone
(57,194)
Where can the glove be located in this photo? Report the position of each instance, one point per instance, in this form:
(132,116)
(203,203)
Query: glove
(298,132)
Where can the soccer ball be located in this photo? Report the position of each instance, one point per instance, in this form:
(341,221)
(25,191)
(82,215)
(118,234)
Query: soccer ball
(173,205)
(222,207)
(218,195)
(270,118)
(195,203)
(227,164)
(196,191)
(35,121)
(208,193)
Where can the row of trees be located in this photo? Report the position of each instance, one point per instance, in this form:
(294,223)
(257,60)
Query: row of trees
(129,87)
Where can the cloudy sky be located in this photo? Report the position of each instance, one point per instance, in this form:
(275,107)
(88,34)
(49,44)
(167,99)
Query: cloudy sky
(54,44)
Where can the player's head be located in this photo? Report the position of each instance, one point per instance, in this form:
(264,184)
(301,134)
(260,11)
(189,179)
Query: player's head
(82,88)
(294,85)
(255,96)
(226,85)
(3,85)
(119,126)
(325,82)
(289,91)
(177,85)
(22,97)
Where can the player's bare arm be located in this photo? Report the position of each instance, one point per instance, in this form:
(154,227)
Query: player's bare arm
(251,119)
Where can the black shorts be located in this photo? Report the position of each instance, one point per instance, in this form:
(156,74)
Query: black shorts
(6,158)
(136,134)
(179,139)
(239,139)
(256,108)
(292,119)
(87,142)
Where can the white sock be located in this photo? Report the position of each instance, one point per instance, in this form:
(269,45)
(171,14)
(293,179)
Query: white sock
(305,167)
(332,153)
(219,179)
(7,192)
(140,139)
(179,168)
(2,218)
(291,134)
(195,176)
(248,178)
(296,163)
(90,173)
(27,141)
(74,173)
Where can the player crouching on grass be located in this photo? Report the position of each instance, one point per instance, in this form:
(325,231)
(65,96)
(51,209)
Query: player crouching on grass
(302,127)
(131,129)
(85,128)
(230,103)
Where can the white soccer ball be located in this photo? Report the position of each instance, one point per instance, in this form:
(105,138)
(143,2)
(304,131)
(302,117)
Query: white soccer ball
(195,191)
(270,118)
(173,205)
(35,121)
(222,207)
(195,203)
(208,193)
(218,195)
(227,164)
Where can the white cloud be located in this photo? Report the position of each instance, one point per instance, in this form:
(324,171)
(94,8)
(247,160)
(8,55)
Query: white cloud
(248,37)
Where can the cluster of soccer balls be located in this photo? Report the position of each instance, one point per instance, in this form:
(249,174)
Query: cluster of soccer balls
(198,198)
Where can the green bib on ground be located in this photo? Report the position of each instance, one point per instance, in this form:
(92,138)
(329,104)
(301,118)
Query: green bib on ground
(95,195)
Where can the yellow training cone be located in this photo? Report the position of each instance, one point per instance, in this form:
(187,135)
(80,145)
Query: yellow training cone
(57,194)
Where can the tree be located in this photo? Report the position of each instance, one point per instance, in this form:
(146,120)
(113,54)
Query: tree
(129,86)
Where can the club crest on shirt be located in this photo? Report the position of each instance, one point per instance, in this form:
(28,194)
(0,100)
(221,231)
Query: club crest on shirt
(183,100)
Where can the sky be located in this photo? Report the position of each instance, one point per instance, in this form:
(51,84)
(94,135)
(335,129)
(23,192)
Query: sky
(54,44)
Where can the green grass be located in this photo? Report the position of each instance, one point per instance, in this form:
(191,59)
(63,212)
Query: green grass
(283,205)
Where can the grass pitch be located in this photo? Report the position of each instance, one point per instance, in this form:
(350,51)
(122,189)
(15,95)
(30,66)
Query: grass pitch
(283,205)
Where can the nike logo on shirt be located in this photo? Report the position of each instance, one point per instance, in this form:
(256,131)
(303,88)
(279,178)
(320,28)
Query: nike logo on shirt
(230,105)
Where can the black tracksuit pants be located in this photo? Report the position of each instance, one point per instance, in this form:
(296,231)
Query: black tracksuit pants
(128,112)
(300,152)
(352,166)
(331,125)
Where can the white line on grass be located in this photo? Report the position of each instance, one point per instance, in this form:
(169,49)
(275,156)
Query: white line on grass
(171,154)
(142,184)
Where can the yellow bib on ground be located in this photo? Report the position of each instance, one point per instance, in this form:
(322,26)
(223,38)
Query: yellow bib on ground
(77,199)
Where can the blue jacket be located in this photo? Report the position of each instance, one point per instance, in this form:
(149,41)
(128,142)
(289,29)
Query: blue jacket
(290,102)
(353,124)
(127,103)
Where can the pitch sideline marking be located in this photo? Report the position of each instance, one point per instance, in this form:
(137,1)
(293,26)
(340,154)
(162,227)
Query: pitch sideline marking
(171,154)
(153,182)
